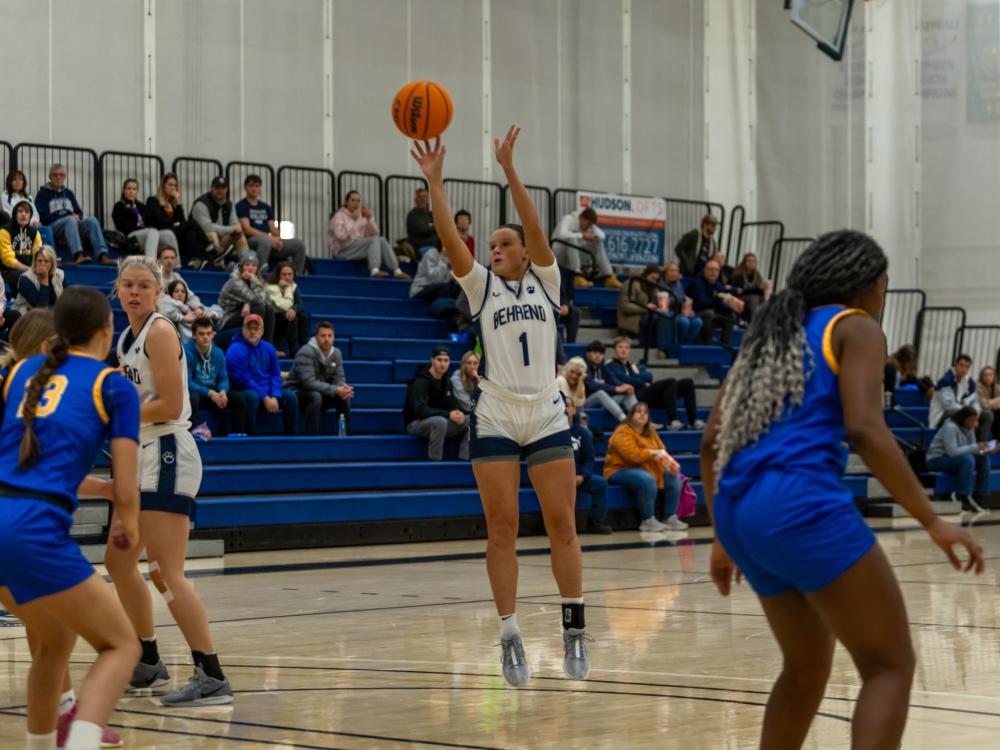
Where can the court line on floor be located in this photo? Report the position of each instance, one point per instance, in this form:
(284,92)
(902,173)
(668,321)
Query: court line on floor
(203,735)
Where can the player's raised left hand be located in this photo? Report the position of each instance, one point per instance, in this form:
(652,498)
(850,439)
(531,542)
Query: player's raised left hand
(505,149)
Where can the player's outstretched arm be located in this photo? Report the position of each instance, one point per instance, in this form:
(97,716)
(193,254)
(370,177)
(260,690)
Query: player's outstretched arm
(534,234)
(859,346)
(431,161)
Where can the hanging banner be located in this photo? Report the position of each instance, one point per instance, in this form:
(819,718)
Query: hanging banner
(634,226)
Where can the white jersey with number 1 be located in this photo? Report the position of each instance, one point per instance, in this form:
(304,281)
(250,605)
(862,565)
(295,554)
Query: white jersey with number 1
(517,326)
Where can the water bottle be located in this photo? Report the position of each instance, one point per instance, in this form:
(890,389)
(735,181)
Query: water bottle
(342,425)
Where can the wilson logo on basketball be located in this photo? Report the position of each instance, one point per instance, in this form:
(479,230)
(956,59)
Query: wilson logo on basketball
(416,107)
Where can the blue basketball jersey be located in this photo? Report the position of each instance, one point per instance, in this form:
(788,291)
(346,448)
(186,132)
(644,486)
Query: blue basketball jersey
(809,439)
(84,403)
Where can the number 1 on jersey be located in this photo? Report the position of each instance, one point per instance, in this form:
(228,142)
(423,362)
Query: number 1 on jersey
(523,338)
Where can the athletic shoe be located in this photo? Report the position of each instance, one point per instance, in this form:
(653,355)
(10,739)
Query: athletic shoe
(109,738)
(146,676)
(698,425)
(576,663)
(676,425)
(612,282)
(969,503)
(201,690)
(582,283)
(656,426)
(651,524)
(676,524)
(515,667)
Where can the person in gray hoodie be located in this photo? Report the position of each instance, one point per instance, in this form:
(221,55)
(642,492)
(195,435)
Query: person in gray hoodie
(318,377)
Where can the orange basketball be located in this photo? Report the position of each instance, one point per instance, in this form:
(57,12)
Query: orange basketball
(422,110)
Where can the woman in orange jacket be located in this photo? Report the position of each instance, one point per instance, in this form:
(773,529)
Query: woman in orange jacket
(638,461)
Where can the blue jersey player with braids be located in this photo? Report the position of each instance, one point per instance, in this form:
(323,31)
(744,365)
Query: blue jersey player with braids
(58,410)
(808,379)
(519,411)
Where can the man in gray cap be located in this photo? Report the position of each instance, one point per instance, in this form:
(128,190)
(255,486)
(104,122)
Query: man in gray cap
(215,213)
(432,411)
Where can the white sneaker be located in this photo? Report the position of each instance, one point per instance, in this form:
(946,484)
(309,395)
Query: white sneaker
(676,425)
(698,425)
(676,524)
(651,524)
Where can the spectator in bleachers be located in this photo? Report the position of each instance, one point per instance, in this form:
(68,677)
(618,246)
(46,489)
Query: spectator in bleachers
(420,232)
(433,280)
(465,380)
(989,400)
(7,320)
(955,389)
(726,271)
(687,325)
(571,382)
(16,190)
(57,208)
(901,372)
(463,223)
(661,394)
(131,218)
(753,287)
(644,310)
(697,247)
(208,380)
(354,235)
(18,243)
(638,461)
(262,231)
(589,483)
(174,306)
(603,388)
(252,364)
(318,377)
(291,322)
(165,212)
(715,304)
(243,294)
(216,215)
(167,258)
(569,313)
(432,410)
(580,228)
(42,284)
(955,451)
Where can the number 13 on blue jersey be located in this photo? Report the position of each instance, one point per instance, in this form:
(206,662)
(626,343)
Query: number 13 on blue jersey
(50,397)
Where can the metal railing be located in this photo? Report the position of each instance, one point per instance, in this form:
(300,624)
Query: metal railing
(981,342)
(195,176)
(118,166)
(399,191)
(900,317)
(83,172)
(306,197)
(542,198)
(737,217)
(483,201)
(7,164)
(786,251)
(934,338)
(762,238)
(237,171)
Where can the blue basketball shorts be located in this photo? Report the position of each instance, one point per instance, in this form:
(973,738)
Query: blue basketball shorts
(37,555)
(791,532)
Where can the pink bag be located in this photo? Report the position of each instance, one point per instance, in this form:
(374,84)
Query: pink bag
(688,499)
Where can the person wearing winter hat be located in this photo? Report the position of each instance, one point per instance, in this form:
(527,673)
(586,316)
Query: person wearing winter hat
(244,293)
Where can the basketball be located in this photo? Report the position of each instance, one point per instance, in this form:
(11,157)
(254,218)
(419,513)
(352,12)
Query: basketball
(422,110)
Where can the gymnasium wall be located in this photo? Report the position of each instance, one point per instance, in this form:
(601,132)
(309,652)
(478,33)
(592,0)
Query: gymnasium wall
(245,79)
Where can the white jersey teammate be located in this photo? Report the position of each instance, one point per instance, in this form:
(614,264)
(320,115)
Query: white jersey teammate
(151,356)
(519,411)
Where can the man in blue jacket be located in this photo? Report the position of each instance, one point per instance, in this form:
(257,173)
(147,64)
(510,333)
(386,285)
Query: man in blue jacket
(712,300)
(57,208)
(589,483)
(208,381)
(254,372)
(603,388)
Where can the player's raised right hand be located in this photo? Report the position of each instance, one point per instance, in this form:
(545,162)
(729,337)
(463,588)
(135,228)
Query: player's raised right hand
(947,536)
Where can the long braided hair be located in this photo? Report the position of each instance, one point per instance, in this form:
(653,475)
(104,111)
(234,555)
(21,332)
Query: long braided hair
(775,361)
(79,314)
